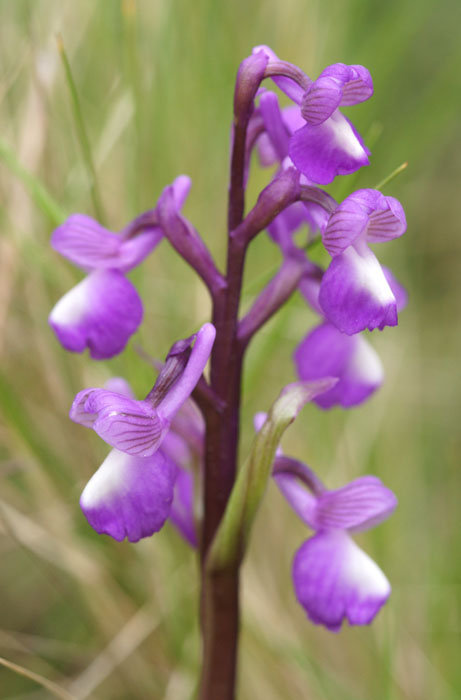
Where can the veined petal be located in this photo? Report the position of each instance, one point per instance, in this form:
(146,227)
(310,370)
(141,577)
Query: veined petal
(321,100)
(355,80)
(344,226)
(83,241)
(129,496)
(326,352)
(182,509)
(361,504)
(132,430)
(359,86)
(100,313)
(332,148)
(335,580)
(354,293)
(385,217)
(131,426)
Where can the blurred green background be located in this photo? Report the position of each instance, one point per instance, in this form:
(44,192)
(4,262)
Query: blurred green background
(154,81)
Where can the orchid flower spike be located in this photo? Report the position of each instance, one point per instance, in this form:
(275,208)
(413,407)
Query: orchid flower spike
(103,311)
(334,580)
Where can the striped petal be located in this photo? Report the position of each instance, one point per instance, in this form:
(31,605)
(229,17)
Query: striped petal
(361,504)
(83,241)
(321,100)
(128,425)
(355,80)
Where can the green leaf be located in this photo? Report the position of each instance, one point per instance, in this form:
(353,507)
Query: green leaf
(230,542)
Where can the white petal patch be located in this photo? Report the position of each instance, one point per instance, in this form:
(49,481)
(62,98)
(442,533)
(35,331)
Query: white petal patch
(365,364)
(72,307)
(361,573)
(107,480)
(343,135)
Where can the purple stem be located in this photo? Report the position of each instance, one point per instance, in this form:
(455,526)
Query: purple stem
(220,591)
(272,297)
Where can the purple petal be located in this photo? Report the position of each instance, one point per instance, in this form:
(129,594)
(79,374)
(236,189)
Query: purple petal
(367,210)
(344,226)
(181,188)
(355,81)
(293,118)
(186,383)
(386,217)
(362,504)
(83,241)
(182,509)
(329,149)
(131,426)
(86,243)
(286,85)
(335,580)
(321,100)
(273,123)
(326,352)
(100,313)
(266,152)
(134,250)
(354,293)
(309,288)
(129,496)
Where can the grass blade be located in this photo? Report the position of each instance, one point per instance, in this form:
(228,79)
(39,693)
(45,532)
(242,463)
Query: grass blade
(81,131)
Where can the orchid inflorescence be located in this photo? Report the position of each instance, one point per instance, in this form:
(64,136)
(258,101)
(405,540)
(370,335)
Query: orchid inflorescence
(186,429)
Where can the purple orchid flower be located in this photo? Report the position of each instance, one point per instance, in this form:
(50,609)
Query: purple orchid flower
(104,310)
(135,491)
(355,293)
(335,580)
(327,352)
(139,427)
(325,143)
